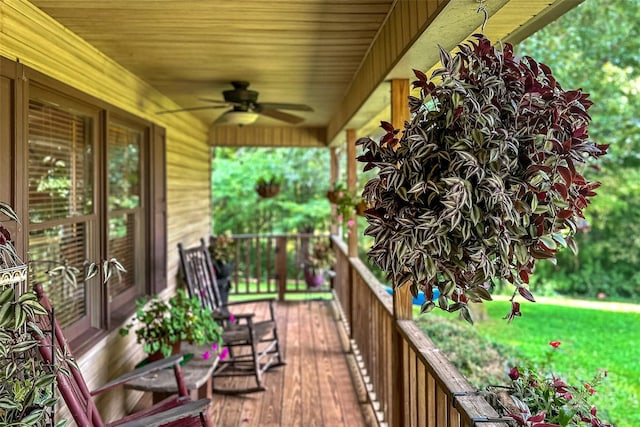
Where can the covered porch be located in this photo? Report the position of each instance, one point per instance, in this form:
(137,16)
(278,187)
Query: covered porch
(350,359)
(114,65)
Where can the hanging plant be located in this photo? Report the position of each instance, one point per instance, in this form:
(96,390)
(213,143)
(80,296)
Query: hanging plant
(336,192)
(484,180)
(268,187)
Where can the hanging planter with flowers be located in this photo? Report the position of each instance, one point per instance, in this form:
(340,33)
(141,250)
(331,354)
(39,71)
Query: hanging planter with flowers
(484,180)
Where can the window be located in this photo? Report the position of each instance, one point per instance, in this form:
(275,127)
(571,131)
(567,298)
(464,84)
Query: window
(125,208)
(90,199)
(61,208)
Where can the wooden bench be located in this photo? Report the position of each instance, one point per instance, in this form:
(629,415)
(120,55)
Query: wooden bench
(197,374)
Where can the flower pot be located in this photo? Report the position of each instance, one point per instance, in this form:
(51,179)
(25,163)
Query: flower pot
(223,269)
(313,278)
(334,196)
(175,349)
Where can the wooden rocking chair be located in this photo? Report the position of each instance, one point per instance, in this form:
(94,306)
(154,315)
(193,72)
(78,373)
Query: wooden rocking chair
(253,345)
(174,411)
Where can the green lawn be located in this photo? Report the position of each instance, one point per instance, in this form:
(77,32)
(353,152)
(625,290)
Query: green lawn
(591,339)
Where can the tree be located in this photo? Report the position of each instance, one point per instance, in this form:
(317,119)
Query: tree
(301,205)
(595,47)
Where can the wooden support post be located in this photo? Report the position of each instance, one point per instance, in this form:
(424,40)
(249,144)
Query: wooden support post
(281,266)
(352,184)
(335,174)
(402,299)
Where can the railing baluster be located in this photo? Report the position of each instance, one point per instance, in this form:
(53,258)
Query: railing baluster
(434,393)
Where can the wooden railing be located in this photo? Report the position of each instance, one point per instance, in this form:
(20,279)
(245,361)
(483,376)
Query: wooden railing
(410,382)
(273,264)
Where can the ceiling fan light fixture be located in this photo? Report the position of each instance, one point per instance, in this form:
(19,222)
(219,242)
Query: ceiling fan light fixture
(239,118)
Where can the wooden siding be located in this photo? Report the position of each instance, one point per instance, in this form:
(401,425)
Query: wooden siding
(39,42)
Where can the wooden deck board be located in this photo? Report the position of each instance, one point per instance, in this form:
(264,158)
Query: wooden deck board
(314,388)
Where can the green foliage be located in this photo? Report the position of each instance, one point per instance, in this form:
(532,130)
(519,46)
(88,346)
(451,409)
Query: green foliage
(591,340)
(480,360)
(222,248)
(300,206)
(594,47)
(321,256)
(26,381)
(159,324)
(346,204)
(541,394)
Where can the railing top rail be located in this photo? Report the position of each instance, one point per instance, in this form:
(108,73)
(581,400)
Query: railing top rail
(261,235)
(367,276)
(459,390)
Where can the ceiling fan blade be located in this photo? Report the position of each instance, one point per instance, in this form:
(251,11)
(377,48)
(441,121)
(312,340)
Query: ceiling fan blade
(279,115)
(216,101)
(179,110)
(285,106)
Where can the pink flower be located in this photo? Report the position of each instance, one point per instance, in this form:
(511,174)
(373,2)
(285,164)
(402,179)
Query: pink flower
(555,344)
(206,355)
(339,218)
(214,346)
(224,353)
(351,223)
(589,388)
(232,318)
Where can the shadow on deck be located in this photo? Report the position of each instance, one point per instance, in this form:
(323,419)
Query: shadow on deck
(314,388)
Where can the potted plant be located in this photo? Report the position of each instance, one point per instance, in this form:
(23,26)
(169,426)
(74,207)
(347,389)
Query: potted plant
(160,326)
(536,395)
(318,264)
(348,204)
(268,187)
(26,381)
(222,249)
(484,180)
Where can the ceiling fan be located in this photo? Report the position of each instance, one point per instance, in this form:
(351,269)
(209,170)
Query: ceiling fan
(246,108)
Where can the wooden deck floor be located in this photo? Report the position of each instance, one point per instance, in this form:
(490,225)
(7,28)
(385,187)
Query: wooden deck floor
(314,388)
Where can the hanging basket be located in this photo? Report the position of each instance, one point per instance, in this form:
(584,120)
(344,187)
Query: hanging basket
(268,191)
(334,196)
(361,208)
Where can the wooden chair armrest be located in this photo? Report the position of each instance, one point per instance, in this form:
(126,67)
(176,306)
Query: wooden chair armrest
(238,316)
(140,372)
(193,408)
(250,301)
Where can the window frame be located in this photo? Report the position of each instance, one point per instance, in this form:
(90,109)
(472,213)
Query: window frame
(25,83)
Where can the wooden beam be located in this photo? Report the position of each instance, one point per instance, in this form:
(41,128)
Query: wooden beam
(352,184)
(335,174)
(256,136)
(402,298)
(400,103)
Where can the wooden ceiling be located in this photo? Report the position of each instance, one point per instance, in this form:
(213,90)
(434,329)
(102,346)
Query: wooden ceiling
(311,52)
